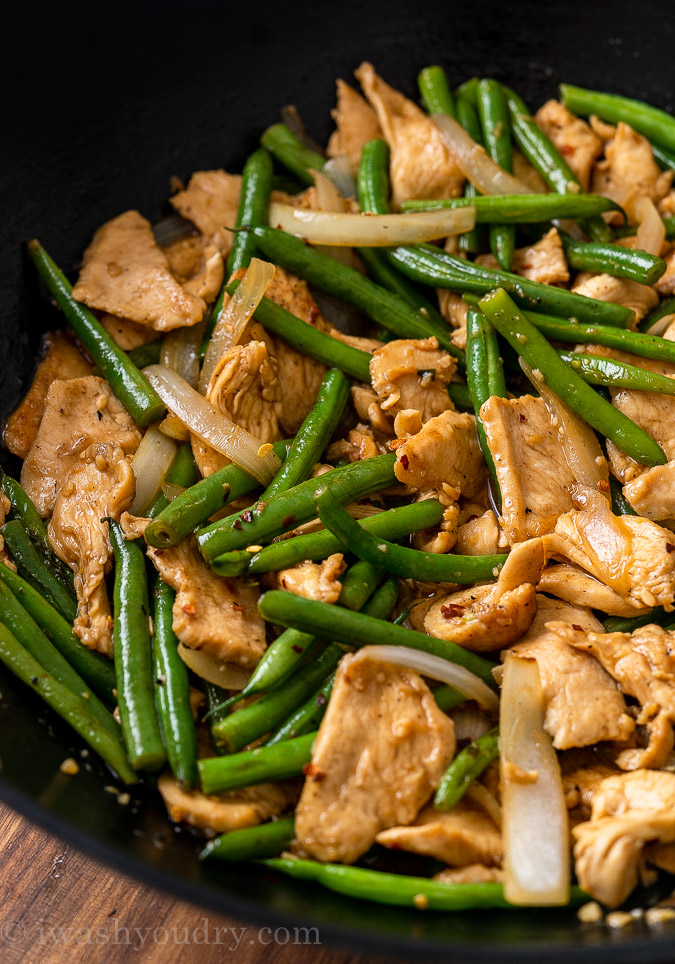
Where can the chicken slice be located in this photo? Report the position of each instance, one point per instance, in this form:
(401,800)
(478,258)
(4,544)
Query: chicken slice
(211,202)
(197,265)
(127,334)
(359,444)
(462,836)
(220,812)
(211,613)
(628,170)
(453,307)
(313,580)
(631,555)
(78,413)
(629,811)
(543,261)
(487,618)
(59,359)
(380,752)
(444,454)
(421,165)
(409,374)
(665,286)
(582,772)
(580,588)
(583,703)
(471,874)
(532,471)
(99,487)
(529,175)
(356,123)
(479,536)
(619,291)
(579,145)
(125,272)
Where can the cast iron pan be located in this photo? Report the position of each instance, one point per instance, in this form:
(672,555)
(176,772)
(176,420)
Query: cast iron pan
(102,103)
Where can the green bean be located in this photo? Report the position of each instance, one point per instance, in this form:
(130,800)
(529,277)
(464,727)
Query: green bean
(478,332)
(202,500)
(520,208)
(282,143)
(669,225)
(472,241)
(496,126)
(387,309)
(172,691)
(182,472)
(394,523)
(254,199)
(133,391)
(372,185)
(666,307)
(95,669)
(465,768)
(561,379)
(217,706)
(28,633)
(620,504)
(436,96)
(468,90)
(313,435)
(599,370)
(252,843)
(447,698)
(386,275)
(432,266)
(407,563)
(245,769)
(460,396)
(148,354)
(357,629)
(70,707)
(655,124)
(264,520)
(133,655)
(628,624)
(615,260)
(37,570)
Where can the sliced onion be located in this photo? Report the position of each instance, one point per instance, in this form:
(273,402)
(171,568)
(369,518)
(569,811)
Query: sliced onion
(481,795)
(212,427)
(579,441)
(534,816)
(474,163)
(171,229)
(180,351)
(435,668)
(651,232)
(330,200)
(228,675)
(339,171)
(174,428)
(355,509)
(237,311)
(150,464)
(171,490)
(661,326)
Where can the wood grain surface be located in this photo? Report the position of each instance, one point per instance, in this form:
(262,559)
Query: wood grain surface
(57,905)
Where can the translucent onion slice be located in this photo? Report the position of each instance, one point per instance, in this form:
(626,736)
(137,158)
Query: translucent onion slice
(174,428)
(236,314)
(534,816)
(435,668)
(330,200)
(212,427)
(662,325)
(338,170)
(171,490)
(171,229)
(180,351)
(150,464)
(579,441)
(371,230)
(651,232)
(474,163)
(228,675)
(482,796)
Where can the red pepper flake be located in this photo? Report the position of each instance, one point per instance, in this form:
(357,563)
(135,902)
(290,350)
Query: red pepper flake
(405,462)
(237,525)
(247,516)
(159,552)
(603,486)
(321,700)
(288,520)
(451,611)
(314,772)
(567,150)
(523,418)
(297,649)
(189,609)
(577,628)
(313,314)
(237,608)
(670,547)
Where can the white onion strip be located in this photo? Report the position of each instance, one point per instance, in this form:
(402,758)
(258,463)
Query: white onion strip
(227,675)
(435,668)
(338,170)
(238,309)
(150,464)
(371,230)
(534,816)
(212,427)
(476,166)
(180,351)
(651,232)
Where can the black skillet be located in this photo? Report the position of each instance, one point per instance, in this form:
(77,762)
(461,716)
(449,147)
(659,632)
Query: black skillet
(101,104)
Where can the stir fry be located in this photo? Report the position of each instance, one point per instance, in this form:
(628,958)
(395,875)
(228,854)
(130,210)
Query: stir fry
(347,504)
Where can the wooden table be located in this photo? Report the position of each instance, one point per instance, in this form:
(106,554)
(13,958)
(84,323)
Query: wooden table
(58,905)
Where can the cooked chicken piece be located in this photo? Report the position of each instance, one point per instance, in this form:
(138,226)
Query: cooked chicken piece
(444,455)
(359,444)
(421,166)
(666,206)
(125,272)
(462,836)
(440,538)
(628,170)
(666,283)
(529,175)
(479,536)
(5,506)
(127,334)
(245,388)
(78,412)
(543,261)
(211,201)
(620,291)
(631,555)
(453,307)
(363,344)
(220,812)
(471,874)
(380,752)
(579,145)
(356,124)
(313,580)
(100,486)
(60,359)
(487,618)
(583,703)
(580,588)
(408,374)
(582,771)
(197,265)
(629,811)
(533,473)
(368,410)
(652,494)
(211,613)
